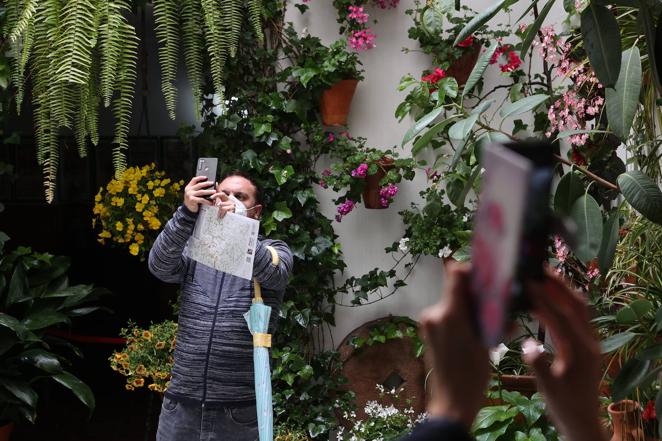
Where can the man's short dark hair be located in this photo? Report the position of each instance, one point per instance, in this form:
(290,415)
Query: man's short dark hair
(243,174)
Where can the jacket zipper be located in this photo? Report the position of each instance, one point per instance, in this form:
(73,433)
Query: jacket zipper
(211,337)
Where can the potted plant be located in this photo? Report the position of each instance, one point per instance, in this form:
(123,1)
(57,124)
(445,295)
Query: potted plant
(147,358)
(35,295)
(130,211)
(367,174)
(332,72)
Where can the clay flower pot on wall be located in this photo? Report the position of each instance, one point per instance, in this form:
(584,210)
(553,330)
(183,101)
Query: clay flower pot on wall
(336,102)
(625,417)
(371,196)
(461,68)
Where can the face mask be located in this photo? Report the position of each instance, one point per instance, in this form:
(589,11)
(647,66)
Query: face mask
(239,207)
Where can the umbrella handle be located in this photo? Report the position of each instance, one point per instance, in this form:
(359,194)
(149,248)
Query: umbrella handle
(275,260)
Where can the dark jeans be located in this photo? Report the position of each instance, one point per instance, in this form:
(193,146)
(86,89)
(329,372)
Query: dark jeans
(180,421)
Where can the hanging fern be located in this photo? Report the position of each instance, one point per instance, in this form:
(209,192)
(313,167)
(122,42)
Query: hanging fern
(80,53)
(166,16)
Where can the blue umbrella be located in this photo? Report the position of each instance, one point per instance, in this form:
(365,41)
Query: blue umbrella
(257,318)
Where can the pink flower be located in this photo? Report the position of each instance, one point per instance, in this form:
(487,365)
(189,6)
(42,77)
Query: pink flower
(344,209)
(361,171)
(384,4)
(331,137)
(467,42)
(326,172)
(346,134)
(357,14)
(593,270)
(435,76)
(387,194)
(323,183)
(362,40)
(561,249)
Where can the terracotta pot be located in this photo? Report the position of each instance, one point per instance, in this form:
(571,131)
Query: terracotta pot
(5,431)
(625,421)
(461,68)
(336,101)
(524,384)
(371,197)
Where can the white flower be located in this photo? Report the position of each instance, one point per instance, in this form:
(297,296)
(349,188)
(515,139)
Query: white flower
(530,346)
(445,252)
(403,244)
(496,354)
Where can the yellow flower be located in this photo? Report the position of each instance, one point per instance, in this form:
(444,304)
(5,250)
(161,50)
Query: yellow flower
(139,382)
(97,198)
(129,387)
(165,182)
(119,226)
(147,335)
(141,370)
(139,237)
(154,223)
(140,227)
(152,387)
(125,365)
(118,356)
(105,234)
(98,209)
(125,356)
(145,199)
(133,188)
(150,184)
(134,248)
(140,206)
(176,187)
(160,345)
(159,192)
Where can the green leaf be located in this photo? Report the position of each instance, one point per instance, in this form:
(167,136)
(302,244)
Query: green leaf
(18,286)
(609,242)
(523,105)
(487,416)
(629,378)
(568,190)
(282,174)
(651,353)
(281,212)
(20,390)
(494,432)
(10,322)
(425,139)
(615,341)
(80,389)
(449,86)
(641,307)
(461,129)
(482,107)
(588,218)
(602,41)
(44,318)
(479,68)
(532,30)
(42,359)
(421,124)
(642,194)
(433,21)
(479,20)
(626,316)
(622,101)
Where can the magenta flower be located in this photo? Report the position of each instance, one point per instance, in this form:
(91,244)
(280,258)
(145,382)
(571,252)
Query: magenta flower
(361,171)
(387,194)
(357,14)
(326,172)
(344,209)
(384,4)
(331,137)
(362,40)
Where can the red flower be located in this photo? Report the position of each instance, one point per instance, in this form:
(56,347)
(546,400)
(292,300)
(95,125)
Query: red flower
(435,76)
(514,62)
(649,411)
(467,42)
(578,158)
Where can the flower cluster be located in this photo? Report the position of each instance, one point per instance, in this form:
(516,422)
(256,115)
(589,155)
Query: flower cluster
(147,357)
(354,21)
(436,75)
(344,209)
(387,4)
(362,39)
(513,60)
(357,14)
(361,171)
(467,42)
(385,419)
(132,208)
(387,193)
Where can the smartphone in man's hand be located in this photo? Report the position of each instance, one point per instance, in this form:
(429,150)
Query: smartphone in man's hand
(207,167)
(510,233)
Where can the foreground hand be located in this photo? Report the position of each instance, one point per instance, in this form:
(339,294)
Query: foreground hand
(570,384)
(195,192)
(224,204)
(458,358)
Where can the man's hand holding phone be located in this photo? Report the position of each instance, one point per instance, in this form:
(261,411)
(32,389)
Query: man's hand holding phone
(196,192)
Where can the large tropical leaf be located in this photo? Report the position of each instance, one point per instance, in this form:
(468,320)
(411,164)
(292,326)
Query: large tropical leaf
(80,389)
(616,341)
(18,287)
(461,129)
(602,41)
(479,68)
(421,124)
(630,376)
(425,139)
(524,105)
(642,194)
(44,318)
(588,217)
(568,190)
(42,359)
(480,19)
(623,99)
(609,242)
(20,390)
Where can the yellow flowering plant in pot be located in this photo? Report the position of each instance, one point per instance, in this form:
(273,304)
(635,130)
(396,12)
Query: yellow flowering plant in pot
(132,208)
(147,358)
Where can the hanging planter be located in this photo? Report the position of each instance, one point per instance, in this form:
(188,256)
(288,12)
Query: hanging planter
(5,431)
(372,197)
(461,68)
(336,102)
(625,416)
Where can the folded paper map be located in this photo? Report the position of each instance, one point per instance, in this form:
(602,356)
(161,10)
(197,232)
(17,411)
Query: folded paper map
(226,244)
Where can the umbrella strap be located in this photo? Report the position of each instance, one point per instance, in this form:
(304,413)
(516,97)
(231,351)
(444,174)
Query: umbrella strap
(261,340)
(275,260)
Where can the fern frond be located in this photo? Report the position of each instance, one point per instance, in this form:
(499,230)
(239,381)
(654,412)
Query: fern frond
(80,128)
(22,48)
(232,19)
(166,17)
(255,17)
(215,43)
(23,22)
(110,46)
(74,48)
(123,103)
(92,104)
(51,164)
(193,42)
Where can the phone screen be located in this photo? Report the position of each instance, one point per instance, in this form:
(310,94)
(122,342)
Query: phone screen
(207,167)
